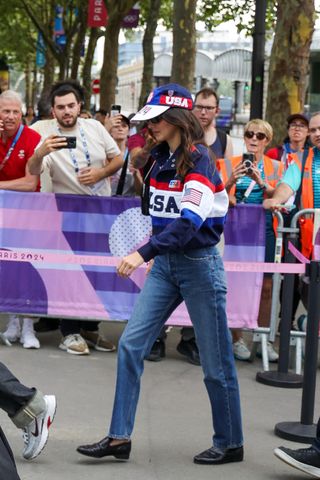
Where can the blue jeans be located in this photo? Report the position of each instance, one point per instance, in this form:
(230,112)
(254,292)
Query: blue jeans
(197,277)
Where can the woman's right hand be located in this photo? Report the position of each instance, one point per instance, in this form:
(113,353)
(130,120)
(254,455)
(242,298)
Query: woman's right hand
(238,172)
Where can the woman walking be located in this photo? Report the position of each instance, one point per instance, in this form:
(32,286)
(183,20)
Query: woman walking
(188,204)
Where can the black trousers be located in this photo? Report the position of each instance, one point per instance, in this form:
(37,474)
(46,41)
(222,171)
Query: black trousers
(8,469)
(13,394)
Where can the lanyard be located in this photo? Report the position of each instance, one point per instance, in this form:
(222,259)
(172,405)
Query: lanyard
(85,149)
(15,140)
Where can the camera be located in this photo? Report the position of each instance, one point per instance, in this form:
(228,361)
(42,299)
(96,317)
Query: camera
(115,110)
(247,160)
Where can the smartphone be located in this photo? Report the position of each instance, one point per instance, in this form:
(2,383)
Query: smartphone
(115,110)
(71,141)
(247,160)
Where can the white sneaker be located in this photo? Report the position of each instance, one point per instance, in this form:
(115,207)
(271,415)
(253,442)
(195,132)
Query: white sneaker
(35,435)
(74,344)
(28,337)
(240,350)
(13,329)
(272,354)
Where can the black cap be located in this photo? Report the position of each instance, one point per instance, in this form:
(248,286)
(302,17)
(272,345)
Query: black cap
(125,119)
(297,116)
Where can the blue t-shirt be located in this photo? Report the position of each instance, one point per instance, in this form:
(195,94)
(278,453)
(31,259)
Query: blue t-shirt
(292,177)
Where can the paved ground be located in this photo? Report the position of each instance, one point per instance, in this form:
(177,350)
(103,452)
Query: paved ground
(173,420)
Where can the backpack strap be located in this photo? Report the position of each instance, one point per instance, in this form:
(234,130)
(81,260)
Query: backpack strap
(123,174)
(223,140)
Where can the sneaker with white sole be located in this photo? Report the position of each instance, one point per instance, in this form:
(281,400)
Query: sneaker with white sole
(74,344)
(240,350)
(13,330)
(273,356)
(28,337)
(35,435)
(304,459)
(95,340)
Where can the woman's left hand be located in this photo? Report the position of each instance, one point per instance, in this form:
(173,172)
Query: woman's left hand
(255,175)
(129,264)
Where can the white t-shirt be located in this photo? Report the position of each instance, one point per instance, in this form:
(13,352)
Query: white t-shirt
(100,147)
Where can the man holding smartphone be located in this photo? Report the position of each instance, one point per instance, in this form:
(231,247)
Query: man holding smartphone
(80,157)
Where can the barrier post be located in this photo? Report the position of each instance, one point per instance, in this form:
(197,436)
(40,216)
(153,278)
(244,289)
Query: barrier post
(305,431)
(281,377)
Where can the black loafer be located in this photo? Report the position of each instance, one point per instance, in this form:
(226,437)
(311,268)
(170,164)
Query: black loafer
(215,456)
(104,449)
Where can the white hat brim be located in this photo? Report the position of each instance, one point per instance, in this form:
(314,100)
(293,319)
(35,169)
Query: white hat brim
(148,112)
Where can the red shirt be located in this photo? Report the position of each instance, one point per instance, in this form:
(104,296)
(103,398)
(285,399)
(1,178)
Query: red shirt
(137,140)
(15,167)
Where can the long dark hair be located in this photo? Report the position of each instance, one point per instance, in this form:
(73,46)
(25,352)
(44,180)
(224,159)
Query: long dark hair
(191,134)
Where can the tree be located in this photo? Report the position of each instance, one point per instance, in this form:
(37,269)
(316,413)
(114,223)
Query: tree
(184,42)
(117,9)
(42,13)
(289,62)
(153,10)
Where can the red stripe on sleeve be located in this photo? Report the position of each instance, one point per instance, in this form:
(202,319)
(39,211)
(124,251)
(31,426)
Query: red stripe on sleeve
(205,181)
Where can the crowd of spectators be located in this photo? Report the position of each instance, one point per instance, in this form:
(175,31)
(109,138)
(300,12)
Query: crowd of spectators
(110,160)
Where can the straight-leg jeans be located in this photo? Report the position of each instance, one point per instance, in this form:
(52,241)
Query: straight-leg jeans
(197,277)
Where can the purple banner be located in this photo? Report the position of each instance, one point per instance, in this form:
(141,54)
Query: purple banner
(70,224)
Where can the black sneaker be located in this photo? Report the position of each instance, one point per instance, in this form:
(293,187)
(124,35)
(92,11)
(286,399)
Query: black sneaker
(189,349)
(158,351)
(215,456)
(305,459)
(45,324)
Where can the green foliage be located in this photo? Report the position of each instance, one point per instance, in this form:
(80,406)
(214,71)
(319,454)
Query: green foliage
(165,17)
(17,35)
(215,12)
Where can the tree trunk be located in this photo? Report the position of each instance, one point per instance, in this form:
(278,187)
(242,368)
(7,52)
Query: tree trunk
(184,42)
(48,71)
(86,72)
(78,44)
(116,9)
(289,63)
(28,83)
(148,53)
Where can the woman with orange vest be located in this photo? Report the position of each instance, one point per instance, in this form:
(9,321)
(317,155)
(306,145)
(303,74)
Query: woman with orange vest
(250,179)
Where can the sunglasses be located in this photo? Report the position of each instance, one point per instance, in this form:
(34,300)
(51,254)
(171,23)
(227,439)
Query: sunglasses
(156,119)
(251,134)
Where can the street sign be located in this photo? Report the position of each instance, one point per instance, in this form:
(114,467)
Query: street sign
(95,86)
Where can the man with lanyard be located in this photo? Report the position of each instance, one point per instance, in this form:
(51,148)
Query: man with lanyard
(17,144)
(206,109)
(83,170)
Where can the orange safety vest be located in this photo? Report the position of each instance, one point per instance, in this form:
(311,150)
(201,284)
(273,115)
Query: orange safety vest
(307,201)
(273,170)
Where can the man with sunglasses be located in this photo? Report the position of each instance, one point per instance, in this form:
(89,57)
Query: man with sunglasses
(206,109)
